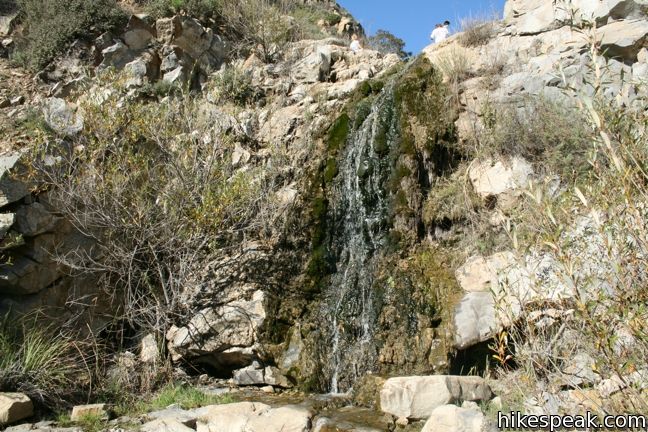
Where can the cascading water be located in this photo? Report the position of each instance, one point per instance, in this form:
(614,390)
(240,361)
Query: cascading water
(360,213)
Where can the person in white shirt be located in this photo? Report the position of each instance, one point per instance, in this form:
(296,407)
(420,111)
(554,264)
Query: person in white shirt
(355,44)
(440,32)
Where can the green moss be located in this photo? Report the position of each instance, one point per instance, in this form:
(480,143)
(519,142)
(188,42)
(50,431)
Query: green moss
(338,133)
(331,170)
(365,89)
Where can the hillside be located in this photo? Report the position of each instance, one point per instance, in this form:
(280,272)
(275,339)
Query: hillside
(219,205)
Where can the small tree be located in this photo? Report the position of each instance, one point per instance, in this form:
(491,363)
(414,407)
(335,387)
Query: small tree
(387,43)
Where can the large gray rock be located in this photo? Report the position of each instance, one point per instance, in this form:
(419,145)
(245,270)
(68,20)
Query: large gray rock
(14,407)
(145,68)
(502,178)
(231,417)
(26,276)
(7,22)
(283,419)
(11,189)
(117,56)
(451,418)
(623,39)
(475,319)
(479,274)
(138,33)
(213,331)
(62,117)
(165,425)
(416,397)
(194,39)
(254,417)
(35,219)
(251,375)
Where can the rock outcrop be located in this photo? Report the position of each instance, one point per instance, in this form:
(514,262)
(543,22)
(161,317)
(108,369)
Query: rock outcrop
(418,397)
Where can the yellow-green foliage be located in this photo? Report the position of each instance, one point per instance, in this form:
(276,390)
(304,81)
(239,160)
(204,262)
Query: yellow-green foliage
(612,302)
(51,24)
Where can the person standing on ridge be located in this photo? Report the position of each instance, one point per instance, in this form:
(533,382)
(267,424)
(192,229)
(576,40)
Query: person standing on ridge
(355,44)
(440,32)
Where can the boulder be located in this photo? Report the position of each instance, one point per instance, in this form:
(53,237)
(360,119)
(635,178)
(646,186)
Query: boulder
(283,419)
(117,56)
(479,274)
(7,22)
(579,369)
(213,331)
(451,418)
(144,68)
(229,418)
(26,276)
(474,319)
(11,189)
(623,39)
(94,410)
(138,33)
(14,407)
(251,375)
(192,37)
(167,28)
(626,9)
(501,179)
(62,117)
(416,397)
(274,377)
(177,415)
(165,425)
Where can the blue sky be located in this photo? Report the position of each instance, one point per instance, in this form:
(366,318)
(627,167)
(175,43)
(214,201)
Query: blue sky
(413,20)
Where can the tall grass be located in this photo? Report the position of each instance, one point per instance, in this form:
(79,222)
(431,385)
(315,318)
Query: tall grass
(595,236)
(40,361)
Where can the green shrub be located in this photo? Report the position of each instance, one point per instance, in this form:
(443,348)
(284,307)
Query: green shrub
(233,84)
(158,199)
(386,43)
(309,17)
(52,24)
(556,137)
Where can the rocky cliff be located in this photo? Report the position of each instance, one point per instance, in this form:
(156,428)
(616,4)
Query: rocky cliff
(333,216)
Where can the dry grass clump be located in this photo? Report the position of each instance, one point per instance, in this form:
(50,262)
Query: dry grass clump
(556,137)
(47,364)
(477,31)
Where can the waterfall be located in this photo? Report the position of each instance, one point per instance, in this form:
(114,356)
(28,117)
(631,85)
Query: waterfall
(360,214)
